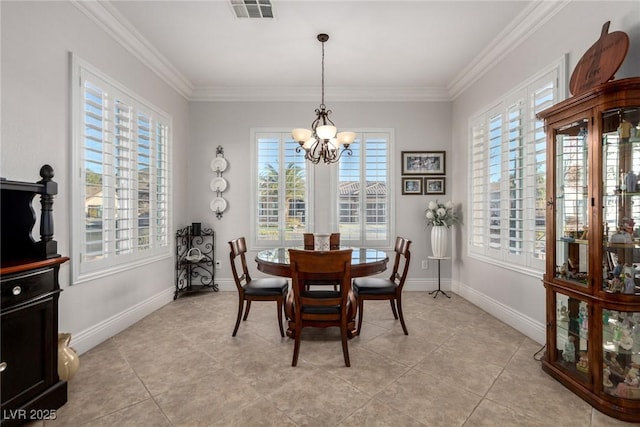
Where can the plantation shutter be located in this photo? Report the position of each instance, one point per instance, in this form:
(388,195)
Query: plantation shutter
(121,201)
(363,198)
(508,173)
(281,203)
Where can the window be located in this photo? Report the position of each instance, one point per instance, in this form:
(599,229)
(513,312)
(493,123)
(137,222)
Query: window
(283,210)
(508,173)
(363,197)
(121,182)
(281,206)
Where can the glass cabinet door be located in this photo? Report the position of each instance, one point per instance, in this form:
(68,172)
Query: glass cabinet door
(621,200)
(572,336)
(572,250)
(621,353)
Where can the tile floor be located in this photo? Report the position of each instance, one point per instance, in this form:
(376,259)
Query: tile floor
(458,367)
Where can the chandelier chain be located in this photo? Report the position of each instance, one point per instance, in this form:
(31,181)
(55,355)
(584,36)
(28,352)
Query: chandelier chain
(322,99)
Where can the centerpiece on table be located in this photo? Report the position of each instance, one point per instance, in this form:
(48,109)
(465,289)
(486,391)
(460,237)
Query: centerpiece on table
(440,216)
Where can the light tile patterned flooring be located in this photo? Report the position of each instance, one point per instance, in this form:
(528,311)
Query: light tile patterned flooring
(459,366)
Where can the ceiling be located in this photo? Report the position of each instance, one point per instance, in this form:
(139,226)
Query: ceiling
(427,50)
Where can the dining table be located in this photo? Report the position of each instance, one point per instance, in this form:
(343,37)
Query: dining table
(364,261)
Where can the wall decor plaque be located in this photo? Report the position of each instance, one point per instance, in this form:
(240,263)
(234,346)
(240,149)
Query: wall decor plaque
(601,61)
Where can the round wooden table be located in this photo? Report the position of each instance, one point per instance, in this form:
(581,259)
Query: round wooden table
(364,262)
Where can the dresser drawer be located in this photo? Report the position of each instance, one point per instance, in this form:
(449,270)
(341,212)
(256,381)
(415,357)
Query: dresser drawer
(21,287)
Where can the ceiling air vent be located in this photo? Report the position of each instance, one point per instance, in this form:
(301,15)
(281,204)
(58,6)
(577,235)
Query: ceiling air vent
(252,8)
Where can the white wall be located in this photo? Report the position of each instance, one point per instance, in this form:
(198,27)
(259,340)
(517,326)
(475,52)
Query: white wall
(417,126)
(37,38)
(520,299)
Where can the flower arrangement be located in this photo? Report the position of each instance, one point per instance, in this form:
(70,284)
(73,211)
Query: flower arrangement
(439,213)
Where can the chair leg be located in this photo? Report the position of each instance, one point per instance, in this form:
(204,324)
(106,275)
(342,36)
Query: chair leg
(280,317)
(296,347)
(345,346)
(393,308)
(289,315)
(246,312)
(240,307)
(404,327)
(360,314)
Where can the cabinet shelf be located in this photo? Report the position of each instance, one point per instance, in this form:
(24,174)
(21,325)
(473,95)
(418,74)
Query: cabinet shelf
(621,194)
(631,141)
(635,245)
(572,240)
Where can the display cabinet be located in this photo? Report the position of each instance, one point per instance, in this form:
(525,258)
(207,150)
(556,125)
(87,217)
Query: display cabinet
(195,261)
(592,275)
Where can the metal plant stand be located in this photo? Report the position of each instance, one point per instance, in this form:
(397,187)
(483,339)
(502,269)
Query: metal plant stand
(437,291)
(191,274)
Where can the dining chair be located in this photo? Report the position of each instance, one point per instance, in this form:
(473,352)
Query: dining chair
(374,288)
(334,241)
(324,308)
(265,289)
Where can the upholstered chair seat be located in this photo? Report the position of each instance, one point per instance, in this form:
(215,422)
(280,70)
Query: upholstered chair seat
(272,286)
(373,286)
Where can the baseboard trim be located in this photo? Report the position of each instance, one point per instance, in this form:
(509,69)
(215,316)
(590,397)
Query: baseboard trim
(525,324)
(84,341)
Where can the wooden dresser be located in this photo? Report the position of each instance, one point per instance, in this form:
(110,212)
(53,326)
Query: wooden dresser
(30,388)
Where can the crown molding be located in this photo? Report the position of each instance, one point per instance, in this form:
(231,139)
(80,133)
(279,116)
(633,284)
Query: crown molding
(335,94)
(111,21)
(528,21)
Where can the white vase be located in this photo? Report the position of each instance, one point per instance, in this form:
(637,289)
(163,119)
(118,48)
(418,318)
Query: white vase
(439,241)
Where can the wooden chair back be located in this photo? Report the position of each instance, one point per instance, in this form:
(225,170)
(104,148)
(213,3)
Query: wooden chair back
(334,241)
(401,261)
(320,308)
(238,250)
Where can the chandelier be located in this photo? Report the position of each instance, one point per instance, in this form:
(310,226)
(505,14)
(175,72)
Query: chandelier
(322,143)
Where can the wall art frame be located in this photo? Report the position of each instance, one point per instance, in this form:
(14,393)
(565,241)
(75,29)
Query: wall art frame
(424,163)
(433,185)
(412,185)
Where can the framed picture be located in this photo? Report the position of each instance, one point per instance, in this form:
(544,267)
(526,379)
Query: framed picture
(434,186)
(411,185)
(423,163)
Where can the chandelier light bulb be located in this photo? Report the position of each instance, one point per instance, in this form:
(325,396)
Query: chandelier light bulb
(326,131)
(346,138)
(301,135)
